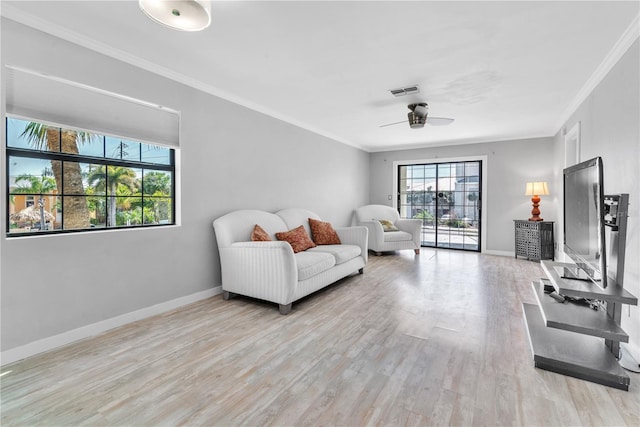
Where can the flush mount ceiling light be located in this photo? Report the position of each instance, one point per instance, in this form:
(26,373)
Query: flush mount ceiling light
(184,15)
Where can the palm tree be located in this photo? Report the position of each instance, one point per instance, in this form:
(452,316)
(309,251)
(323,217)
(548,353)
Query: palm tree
(125,197)
(36,185)
(158,186)
(76,212)
(108,179)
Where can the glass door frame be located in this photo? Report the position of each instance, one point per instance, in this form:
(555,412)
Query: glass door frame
(483,159)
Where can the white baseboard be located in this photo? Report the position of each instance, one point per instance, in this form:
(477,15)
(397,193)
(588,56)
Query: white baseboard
(500,253)
(49,343)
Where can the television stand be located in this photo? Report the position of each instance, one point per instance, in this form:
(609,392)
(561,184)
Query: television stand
(568,338)
(574,273)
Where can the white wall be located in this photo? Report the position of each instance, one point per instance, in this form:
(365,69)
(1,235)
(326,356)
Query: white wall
(510,164)
(610,128)
(231,158)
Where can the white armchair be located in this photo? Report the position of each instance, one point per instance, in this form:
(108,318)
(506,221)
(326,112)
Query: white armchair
(406,237)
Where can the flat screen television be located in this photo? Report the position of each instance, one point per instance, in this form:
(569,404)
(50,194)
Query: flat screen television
(584,226)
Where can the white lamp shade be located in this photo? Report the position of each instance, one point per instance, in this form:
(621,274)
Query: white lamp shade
(538,188)
(184,15)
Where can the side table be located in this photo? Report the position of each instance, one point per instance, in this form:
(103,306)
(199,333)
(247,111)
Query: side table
(534,239)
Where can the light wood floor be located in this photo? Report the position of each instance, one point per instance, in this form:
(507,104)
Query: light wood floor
(432,339)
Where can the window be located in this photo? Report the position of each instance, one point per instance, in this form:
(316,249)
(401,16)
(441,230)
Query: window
(65,180)
(447,197)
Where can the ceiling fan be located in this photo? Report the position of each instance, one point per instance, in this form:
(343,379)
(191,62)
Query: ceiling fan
(419,115)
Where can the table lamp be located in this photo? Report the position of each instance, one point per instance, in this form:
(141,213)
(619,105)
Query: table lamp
(535,190)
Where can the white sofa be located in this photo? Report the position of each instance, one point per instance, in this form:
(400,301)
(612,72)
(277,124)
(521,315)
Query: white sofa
(406,237)
(271,271)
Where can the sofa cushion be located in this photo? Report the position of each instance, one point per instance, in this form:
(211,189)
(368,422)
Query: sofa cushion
(311,263)
(397,236)
(341,253)
(259,235)
(323,233)
(295,217)
(297,238)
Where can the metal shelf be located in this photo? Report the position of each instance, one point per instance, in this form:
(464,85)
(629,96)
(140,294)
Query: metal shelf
(576,318)
(584,288)
(580,356)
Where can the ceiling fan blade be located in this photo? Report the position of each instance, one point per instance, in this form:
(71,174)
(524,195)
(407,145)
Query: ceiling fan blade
(438,121)
(391,124)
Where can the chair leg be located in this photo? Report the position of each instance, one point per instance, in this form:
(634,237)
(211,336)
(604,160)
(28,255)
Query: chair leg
(361,271)
(417,251)
(226,295)
(284,309)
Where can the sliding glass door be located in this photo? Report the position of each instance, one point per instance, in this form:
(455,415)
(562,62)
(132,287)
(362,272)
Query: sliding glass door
(446,196)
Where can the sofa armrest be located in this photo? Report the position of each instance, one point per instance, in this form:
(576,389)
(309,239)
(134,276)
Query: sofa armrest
(376,232)
(412,226)
(356,235)
(264,270)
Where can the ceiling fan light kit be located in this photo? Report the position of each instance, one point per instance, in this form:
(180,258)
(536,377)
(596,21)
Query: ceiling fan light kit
(183,15)
(415,121)
(419,116)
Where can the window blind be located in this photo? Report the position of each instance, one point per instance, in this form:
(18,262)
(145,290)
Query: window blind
(35,95)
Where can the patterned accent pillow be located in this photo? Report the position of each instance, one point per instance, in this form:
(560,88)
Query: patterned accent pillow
(259,235)
(297,238)
(388,225)
(323,233)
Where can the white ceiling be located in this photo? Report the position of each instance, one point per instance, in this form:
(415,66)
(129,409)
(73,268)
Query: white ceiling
(503,70)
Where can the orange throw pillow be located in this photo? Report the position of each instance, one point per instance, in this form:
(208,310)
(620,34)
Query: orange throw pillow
(259,235)
(297,238)
(323,233)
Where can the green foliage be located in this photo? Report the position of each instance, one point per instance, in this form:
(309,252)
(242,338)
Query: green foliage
(116,181)
(114,176)
(31,184)
(420,197)
(36,135)
(135,216)
(157,184)
(425,215)
(457,223)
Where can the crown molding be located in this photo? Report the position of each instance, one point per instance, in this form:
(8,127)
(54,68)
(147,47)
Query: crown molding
(451,143)
(10,12)
(630,35)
